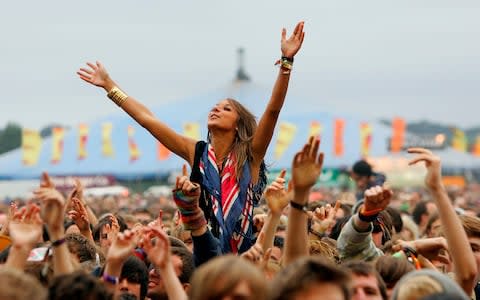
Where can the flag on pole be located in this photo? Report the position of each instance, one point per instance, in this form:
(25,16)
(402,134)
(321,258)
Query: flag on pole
(82,141)
(58,134)
(286,133)
(476,147)
(107,145)
(338,146)
(459,140)
(162,152)
(192,130)
(365,139)
(132,146)
(31,147)
(315,129)
(398,135)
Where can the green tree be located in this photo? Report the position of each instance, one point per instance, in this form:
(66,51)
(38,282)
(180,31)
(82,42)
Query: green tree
(10,137)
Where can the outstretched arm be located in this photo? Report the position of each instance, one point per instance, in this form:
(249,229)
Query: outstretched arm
(267,122)
(184,147)
(463,259)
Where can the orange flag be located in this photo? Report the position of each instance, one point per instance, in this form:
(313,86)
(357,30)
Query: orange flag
(132,146)
(398,135)
(58,134)
(338,146)
(365,139)
(476,147)
(31,146)
(286,133)
(107,145)
(315,129)
(82,141)
(162,152)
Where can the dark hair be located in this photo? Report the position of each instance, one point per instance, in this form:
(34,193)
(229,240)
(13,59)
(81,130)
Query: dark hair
(362,168)
(304,272)
(78,285)
(396,218)
(383,224)
(135,271)
(419,210)
(278,241)
(337,228)
(361,268)
(106,220)
(188,265)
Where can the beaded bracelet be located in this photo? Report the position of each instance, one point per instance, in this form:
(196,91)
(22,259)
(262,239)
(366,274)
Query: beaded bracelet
(58,242)
(110,279)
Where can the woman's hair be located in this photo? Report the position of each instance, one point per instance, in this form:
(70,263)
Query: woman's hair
(218,277)
(410,225)
(15,284)
(246,126)
(325,250)
(78,285)
(419,284)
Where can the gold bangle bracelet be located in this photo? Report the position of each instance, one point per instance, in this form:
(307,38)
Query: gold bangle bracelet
(117,96)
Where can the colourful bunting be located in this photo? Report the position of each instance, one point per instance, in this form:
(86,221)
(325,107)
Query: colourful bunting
(107,145)
(133,149)
(286,133)
(31,147)
(338,131)
(365,139)
(398,135)
(82,141)
(58,134)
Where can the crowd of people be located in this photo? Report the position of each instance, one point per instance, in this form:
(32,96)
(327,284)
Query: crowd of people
(224,233)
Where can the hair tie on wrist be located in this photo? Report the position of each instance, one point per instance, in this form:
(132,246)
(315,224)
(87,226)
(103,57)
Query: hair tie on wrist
(58,242)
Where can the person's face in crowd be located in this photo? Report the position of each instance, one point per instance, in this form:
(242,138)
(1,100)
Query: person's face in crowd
(143,218)
(276,254)
(320,291)
(125,286)
(155,282)
(360,181)
(435,229)
(475,245)
(365,288)
(186,237)
(223,116)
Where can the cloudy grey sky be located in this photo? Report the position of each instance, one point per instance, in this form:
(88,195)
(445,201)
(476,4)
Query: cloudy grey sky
(378,59)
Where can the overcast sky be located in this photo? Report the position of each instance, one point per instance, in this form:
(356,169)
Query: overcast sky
(377,59)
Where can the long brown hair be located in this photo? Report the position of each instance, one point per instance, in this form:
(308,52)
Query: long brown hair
(246,127)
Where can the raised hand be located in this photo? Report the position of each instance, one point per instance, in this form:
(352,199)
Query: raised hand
(95,74)
(52,204)
(26,227)
(12,210)
(307,166)
(432,248)
(189,189)
(291,45)
(79,215)
(433,179)
(122,247)
(276,196)
(156,244)
(324,217)
(377,199)
(256,254)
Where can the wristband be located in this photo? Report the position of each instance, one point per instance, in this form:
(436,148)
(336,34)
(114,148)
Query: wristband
(110,279)
(58,242)
(301,207)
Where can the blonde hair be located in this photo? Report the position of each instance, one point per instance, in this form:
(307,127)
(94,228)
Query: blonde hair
(221,275)
(417,287)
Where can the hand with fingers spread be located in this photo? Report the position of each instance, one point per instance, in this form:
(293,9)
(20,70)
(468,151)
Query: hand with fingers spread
(433,179)
(276,196)
(12,210)
(323,218)
(291,45)
(306,167)
(122,247)
(156,244)
(256,254)
(96,74)
(52,205)
(79,215)
(432,248)
(186,196)
(26,227)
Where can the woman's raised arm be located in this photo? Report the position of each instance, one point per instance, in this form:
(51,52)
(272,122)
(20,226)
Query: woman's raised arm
(266,125)
(184,147)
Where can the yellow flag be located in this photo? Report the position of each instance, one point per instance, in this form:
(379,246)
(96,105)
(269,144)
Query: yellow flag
(365,139)
(58,134)
(459,140)
(107,145)
(82,141)
(133,149)
(192,130)
(315,129)
(31,147)
(286,133)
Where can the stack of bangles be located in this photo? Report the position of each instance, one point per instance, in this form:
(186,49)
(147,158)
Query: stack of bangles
(286,64)
(411,255)
(117,96)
